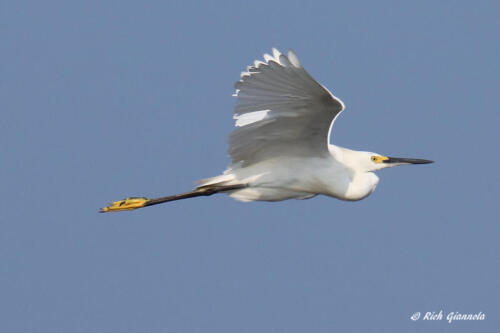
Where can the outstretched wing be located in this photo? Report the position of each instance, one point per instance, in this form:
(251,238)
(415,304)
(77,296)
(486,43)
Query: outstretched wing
(281,111)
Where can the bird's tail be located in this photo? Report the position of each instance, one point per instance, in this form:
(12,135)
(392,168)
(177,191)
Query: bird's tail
(139,202)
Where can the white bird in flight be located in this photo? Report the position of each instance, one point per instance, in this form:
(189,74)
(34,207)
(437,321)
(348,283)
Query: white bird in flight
(280,148)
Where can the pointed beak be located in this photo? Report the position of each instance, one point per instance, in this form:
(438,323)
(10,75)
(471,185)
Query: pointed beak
(402,160)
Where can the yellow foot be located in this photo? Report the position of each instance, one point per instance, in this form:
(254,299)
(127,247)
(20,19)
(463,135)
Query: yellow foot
(125,204)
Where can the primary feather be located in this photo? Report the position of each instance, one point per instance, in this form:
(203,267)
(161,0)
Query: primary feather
(280,110)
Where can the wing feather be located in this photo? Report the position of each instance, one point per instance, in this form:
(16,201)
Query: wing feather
(280,110)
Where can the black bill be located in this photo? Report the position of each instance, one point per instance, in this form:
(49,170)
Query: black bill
(402,160)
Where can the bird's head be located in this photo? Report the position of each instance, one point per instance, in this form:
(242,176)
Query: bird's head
(373,161)
(365,161)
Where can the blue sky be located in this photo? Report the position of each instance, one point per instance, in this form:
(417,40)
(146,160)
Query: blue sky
(103,100)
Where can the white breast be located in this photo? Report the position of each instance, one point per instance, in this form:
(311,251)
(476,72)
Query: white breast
(361,186)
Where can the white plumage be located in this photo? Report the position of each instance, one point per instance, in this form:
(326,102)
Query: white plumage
(297,112)
(280,147)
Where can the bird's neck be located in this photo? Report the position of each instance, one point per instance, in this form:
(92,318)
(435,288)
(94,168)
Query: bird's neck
(344,156)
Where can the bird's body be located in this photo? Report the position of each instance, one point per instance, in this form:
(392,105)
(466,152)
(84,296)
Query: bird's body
(281,147)
(287,177)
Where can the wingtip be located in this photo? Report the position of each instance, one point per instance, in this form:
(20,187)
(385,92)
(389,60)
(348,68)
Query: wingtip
(276,53)
(268,57)
(294,60)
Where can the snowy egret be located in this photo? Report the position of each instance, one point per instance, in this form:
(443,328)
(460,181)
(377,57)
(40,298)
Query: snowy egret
(280,148)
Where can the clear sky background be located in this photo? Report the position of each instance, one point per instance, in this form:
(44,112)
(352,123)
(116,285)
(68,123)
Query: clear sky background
(100,100)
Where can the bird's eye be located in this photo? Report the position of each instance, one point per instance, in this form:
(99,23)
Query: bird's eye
(374,158)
